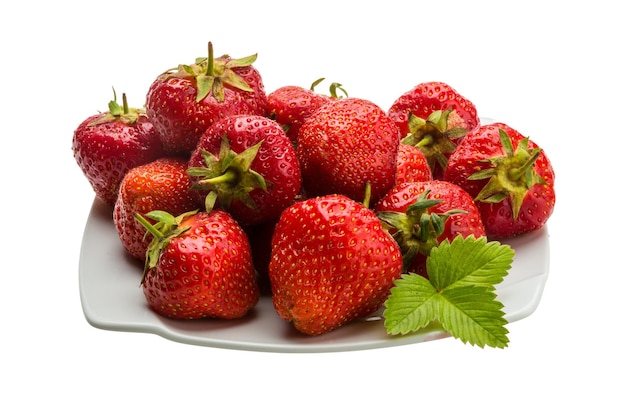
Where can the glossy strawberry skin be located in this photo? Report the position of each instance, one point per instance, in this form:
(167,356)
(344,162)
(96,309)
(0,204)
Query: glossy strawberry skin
(291,105)
(106,150)
(159,185)
(257,99)
(180,119)
(473,154)
(412,165)
(276,161)
(452,197)
(427,97)
(331,262)
(345,145)
(206,272)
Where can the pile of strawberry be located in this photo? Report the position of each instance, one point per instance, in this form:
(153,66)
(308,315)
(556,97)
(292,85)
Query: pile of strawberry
(225,191)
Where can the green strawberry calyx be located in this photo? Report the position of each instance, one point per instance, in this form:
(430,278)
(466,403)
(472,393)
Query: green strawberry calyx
(119,112)
(229,175)
(417,231)
(434,136)
(165,228)
(510,175)
(213,74)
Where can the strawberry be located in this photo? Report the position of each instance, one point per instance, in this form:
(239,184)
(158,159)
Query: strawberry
(509,176)
(345,145)
(423,214)
(250,163)
(434,117)
(108,144)
(198,266)
(331,262)
(291,105)
(159,185)
(260,239)
(182,103)
(412,165)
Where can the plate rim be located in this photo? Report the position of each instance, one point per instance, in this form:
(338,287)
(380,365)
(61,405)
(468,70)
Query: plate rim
(168,331)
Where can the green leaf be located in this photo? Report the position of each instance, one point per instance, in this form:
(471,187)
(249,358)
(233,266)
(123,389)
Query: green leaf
(473,315)
(460,293)
(469,261)
(412,304)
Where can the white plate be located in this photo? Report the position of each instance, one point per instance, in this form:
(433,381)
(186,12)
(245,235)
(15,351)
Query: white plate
(112,299)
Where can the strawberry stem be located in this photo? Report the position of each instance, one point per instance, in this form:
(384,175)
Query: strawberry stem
(427,140)
(125,104)
(209,69)
(230,176)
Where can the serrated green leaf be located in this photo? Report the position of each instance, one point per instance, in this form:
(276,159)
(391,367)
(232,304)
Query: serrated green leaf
(411,305)
(469,261)
(473,315)
(460,293)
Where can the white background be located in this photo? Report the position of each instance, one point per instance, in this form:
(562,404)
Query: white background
(553,70)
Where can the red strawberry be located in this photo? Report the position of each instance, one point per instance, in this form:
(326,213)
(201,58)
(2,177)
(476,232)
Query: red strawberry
(291,105)
(345,145)
(199,266)
(412,165)
(250,163)
(184,102)
(423,214)
(107,145)
(509,176)
(434,117)
(332,261)
(260,238)
(159,185)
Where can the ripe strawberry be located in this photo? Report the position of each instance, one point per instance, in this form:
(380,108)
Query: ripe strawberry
(260,239)
(411,165)
(199,266)
(159,185)
(434,117)
(332,261)
(107,145)
(184,102)
(345,145)
(250,163)
(291,105)
(423,214)
(509,176)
